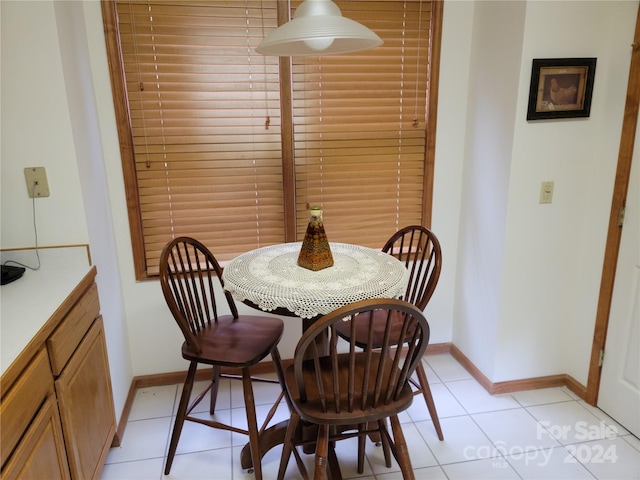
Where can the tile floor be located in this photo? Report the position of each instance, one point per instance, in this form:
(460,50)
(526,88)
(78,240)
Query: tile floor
(540,434)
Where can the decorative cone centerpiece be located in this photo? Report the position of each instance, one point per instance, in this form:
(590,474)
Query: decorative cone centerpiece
(315,253)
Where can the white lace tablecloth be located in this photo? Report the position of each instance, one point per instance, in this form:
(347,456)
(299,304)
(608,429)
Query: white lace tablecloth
(270,278)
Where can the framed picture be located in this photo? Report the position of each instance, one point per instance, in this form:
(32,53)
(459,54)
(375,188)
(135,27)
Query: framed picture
(561,88)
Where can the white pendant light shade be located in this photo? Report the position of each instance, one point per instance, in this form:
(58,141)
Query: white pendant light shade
(318,28)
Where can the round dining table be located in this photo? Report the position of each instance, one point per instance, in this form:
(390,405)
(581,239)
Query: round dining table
(270,279)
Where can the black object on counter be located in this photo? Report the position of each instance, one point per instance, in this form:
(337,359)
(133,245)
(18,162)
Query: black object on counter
(10,273)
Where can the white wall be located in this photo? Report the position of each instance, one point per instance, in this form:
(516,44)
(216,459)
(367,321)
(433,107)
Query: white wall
(529,274)
(450,147)
(554,253)
(520,280)
(493,92)
(36,132)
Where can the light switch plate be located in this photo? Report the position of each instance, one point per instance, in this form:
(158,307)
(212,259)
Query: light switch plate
(546,192)
(37,185)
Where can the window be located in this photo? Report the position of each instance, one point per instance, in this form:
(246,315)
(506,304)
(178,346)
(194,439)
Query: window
(233,147)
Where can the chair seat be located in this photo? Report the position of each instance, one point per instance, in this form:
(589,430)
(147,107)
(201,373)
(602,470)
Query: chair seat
(239,342)
(312,410)
(362,332)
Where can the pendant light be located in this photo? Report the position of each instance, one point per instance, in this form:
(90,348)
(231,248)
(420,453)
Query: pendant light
(318,28)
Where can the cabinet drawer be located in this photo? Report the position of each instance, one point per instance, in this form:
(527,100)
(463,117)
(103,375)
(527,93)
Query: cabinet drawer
(66,338)
(22,402)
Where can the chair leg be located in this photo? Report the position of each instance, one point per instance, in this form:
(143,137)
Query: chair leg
(333,468)
(277,364)
(380,441)
(402,452)
(428,398)
(215,384)
(252,423)
(288,445)
(386,450)
(322,450)
(362,438)
(180,415)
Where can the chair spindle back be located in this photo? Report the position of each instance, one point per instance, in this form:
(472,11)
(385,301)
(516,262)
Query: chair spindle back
(419,249)
(350,379)
(189,274)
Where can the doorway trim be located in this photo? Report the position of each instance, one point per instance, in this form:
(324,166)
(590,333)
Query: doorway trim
(621,186)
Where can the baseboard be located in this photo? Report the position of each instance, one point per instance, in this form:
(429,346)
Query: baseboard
(576,387)
(124,416)
(264,368)
(510,386)
(438,348)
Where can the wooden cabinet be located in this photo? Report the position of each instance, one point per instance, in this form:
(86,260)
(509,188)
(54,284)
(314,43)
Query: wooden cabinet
(56,412)
(86,408)
(41,453)
(32,442)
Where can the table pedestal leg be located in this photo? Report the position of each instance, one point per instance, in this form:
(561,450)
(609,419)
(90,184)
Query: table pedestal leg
(271,437)
(275,434)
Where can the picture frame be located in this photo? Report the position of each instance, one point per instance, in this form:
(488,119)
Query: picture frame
(561,88)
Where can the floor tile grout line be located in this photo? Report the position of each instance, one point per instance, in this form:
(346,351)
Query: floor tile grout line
(424,439)
(446,385)
(631,436)
(426,365)
(578,402)
(442,380)
(608,420)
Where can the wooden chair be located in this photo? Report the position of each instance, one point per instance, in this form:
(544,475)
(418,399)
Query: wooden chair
(347,390)
(419,249)
(189,274)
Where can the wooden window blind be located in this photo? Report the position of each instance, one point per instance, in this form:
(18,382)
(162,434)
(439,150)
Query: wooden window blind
(360,124)
(204,124)
(204,112)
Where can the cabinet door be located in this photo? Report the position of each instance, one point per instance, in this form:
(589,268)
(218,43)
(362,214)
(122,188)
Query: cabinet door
(22,402)
(41,452)
(86,405)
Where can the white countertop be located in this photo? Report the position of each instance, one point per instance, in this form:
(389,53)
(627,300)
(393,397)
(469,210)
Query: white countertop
(27,303)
